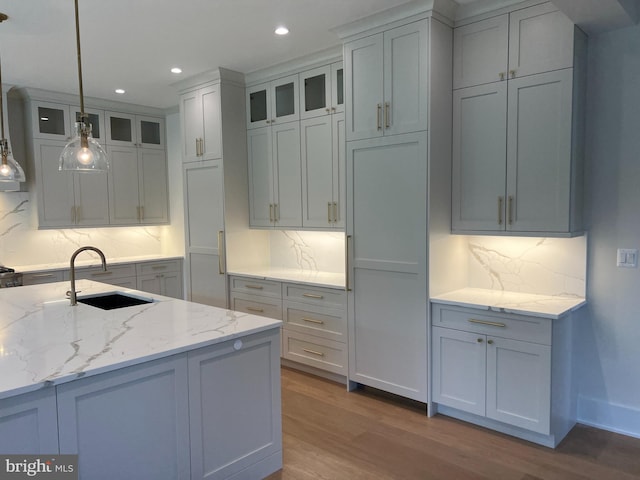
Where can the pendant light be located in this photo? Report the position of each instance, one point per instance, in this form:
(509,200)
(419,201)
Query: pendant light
(10,170)
(83,153)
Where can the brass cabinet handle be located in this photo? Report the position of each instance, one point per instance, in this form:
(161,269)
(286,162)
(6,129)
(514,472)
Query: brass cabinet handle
(500,200)
(313,320)
(386,115)
(333,109)
(271,212)
(276,212)
(335,212)
(158,267)
(254,287)
(485,322)
(346,261)
(42,275)
(138,212)
(312,295)
(99,274)
(202,147)
(78,214)
(220,252)
(502,75)
(73,214)
(197,147)
(313,352)
(512,73)
(141,212)
(490,342)
(479,340)
(378,115)
(510,210)
(329,212)
(327,110)
(254,309)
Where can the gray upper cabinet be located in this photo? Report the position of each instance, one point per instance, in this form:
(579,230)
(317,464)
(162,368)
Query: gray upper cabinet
(518,135)
(322,91)
(127,130)
(273,102)
(201,124)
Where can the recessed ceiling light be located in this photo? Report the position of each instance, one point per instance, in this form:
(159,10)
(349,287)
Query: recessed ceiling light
(119,91)
(176,70)
(282,30)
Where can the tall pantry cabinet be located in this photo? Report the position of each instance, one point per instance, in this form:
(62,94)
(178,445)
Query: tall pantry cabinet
(398,111)
(214,180)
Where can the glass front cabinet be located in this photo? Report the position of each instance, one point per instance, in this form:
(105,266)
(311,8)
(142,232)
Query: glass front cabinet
(322,91)
(126,130)
(273,102)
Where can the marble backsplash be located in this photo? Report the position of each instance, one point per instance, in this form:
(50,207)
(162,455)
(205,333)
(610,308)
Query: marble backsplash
(307,250)
(545,266)
(21,243)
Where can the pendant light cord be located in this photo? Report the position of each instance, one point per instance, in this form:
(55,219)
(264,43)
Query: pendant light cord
(82,114)
(1,107)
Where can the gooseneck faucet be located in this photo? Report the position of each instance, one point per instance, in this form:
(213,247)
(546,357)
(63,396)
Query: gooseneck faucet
(72,273)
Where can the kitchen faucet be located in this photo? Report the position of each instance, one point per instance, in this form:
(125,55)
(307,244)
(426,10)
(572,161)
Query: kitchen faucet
(72,273)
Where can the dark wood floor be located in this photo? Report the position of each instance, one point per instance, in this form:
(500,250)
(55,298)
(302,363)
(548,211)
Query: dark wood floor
(331,434)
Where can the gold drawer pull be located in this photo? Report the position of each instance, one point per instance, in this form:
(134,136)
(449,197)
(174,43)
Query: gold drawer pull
(320,354)
(313,320)
(484,322)
(42,275)
(255,287)
(97,274)
(254,309)
(158,267)
(312,295)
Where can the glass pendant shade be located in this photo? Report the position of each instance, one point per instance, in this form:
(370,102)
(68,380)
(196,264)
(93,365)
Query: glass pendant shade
(83,153)
(10,170)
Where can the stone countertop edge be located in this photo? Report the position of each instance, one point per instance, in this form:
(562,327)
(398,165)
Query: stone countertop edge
(93,262)
(314,279)
(544,306)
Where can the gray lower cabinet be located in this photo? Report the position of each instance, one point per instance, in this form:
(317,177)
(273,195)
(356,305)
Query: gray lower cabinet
(29,423)
(161,278)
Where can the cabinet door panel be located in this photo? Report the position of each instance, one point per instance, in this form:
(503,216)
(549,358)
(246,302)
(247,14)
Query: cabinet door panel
(260,177)
(204,207)
(206,284)
(288,174)
(364,87)
(519,383)
(92,198)
(459,366)
(317,172)
(539,152)
(150,132)
(50,121)
(124,197)
(191,116)
(315,92)
(540,40)
(56,201)
(153,186)
(479,157)
(258,106)
(406,83)
(29,423)
(285,99)
(337,87)
(339,145)
(212,123)
(121,129)
(480,52)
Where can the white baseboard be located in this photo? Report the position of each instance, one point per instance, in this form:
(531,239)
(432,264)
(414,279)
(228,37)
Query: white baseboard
(608,416)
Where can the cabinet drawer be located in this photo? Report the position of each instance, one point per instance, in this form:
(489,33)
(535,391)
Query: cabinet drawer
(37,278)
(158,267)
(312,320)
(256,305)
(326,297)
(314,351)
(517,327)
(99,275)
(253,286)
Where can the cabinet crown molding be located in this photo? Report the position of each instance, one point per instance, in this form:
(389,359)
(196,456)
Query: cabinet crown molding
(217,75)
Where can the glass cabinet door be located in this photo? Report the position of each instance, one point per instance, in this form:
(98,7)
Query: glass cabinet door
(284,99)
(51,121)
(337,87)
(96,119)
(121,129)
(315,92)
(258,108)
(150,132)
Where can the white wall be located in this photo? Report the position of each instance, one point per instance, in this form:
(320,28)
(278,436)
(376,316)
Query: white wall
(609,339)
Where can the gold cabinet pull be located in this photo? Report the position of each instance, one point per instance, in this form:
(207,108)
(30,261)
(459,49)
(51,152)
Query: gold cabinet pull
(386,115)
(254,287)
(512,73)
(99,274)
(276,212)
(485,322)
(335,212)
(329,212)
(42,275)
(313,352)
(490,342)
(500,200)
(141,212)
(502,75)
(197,147)
(327,110)
(479,340)
(346,261)
(73,214)
(138,212)
(510,210)
(313,320)
(202,147)
(78,214)
(254,309)
(220,252)
(312,295)
(271,212)
(378,115)
(158,267)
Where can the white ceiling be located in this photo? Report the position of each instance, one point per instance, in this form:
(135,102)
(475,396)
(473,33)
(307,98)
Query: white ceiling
(132,44)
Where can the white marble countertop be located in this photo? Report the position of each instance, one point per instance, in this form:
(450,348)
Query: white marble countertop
(308,277)
(44,341)
(546,306)
(90,259)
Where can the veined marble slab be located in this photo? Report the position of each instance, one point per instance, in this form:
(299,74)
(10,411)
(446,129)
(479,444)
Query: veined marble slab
(91,260)
(308,277)
(44,341)
(547,306)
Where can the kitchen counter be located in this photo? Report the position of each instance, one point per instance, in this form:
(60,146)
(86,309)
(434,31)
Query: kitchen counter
(44,341)
(308,277)
(545,306)
(90,259)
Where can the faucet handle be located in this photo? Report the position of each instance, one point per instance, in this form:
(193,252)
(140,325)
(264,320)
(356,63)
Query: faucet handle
(68,293)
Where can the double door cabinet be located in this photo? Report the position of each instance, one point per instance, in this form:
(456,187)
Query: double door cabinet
(517,124)
(134,191)
(498,368)
(201,124)
(314,320)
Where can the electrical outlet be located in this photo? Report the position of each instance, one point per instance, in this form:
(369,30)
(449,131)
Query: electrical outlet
(627,257)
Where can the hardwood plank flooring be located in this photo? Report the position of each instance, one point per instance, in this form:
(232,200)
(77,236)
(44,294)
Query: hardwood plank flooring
(329,433)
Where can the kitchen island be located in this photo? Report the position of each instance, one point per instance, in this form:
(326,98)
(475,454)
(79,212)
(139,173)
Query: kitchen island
(169,389)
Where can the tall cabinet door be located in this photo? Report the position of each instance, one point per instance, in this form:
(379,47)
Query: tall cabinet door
(56,203)
(153,185)
(259,151)
(204,218)
(339,169)
(317,172)
(388,303)
(479,157)
(92,194)
(287,174)
(539,152)
(124,196)
(364,87)
(191,116)
(211,144)
(406,82)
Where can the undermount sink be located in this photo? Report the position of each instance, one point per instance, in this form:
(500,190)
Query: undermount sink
(113,300)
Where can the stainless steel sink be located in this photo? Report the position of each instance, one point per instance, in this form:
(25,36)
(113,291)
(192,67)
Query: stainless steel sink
(113,300)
